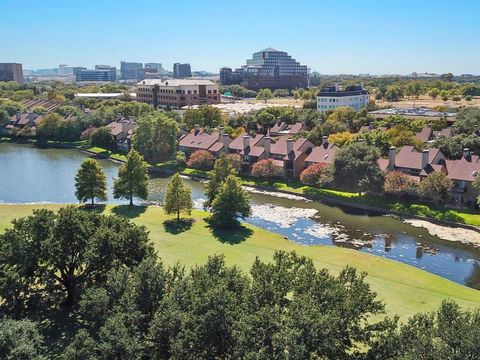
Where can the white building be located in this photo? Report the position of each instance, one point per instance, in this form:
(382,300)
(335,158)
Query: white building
(332,97)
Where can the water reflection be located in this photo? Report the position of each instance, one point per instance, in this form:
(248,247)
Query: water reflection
(47,175)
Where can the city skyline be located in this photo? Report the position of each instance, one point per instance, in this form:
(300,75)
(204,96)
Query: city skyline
(398,37)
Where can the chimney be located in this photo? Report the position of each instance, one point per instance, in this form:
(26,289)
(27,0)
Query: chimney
(289,146)
(325,141)
(362,85)
(221,131)
(424,158)
(266,145)
(337,87)
(246,141)
(225,141)
(391,158)
(197,128)
(125,126)
(466,153)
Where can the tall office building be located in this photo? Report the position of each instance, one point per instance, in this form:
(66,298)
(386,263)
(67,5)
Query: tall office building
(11,72)
(269,68)
(102,73)
(130,70)
(155,66)
(181,70)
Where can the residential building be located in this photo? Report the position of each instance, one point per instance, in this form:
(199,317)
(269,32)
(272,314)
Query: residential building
(330,98)
(216,142)
(281,128)
(463,173)
(48,105)
(181,71)
(101,73)
(20,120)
(177,93)
(122,131)
(11,72)
(268,68)
(323,154)
(413,163)
(130,70)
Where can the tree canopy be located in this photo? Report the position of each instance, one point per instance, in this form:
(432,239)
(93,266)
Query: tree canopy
(132,178)
(90,182)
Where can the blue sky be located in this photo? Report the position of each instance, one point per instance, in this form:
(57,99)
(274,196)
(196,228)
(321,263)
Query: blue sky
(330,36)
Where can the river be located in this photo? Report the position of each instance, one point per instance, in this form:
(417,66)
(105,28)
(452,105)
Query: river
(33,175)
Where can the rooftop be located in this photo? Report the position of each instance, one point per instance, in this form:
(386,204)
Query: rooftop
(176,82)
(426,112)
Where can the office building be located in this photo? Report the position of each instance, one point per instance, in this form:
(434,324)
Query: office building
(130,70)
(268,68)
(11,72)
(330,98)
(155,66)
(177,93)
(181,71)
(102,73)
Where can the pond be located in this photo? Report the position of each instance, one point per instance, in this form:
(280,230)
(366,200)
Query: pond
(33,175)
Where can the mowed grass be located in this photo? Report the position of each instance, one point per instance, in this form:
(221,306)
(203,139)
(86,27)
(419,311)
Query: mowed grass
(405,289)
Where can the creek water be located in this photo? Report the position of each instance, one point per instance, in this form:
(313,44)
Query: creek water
(33,175)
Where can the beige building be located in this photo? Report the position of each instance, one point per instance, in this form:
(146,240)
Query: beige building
(177,93)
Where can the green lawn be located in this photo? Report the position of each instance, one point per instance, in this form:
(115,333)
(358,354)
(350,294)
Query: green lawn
(405,289)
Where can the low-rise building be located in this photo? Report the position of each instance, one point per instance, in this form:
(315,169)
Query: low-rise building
(122,132)
(463,173)
(281,128)
(177,93)
(330,98)
(323,154)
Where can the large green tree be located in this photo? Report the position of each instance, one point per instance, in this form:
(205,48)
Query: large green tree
(90,182)
(20,339)
(230,203)
(132,178)
(178,198)
(156,137)
(264,94)
(50,253)
(356,169)
(221,170)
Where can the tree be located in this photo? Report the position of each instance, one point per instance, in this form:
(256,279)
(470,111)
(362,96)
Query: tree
(264,94)
(399,184)
(230,203)
(201,159)
(20,339)
(156,137)
(178,198)
(356,168)
(221,170)
(90,182)
(435,186)
(341,138)
(132,178)
(433,93)
(342,114)
(205,116)
(267,169)
(317,175)
(48,126)
(400,135)
(49,253)
(102,137)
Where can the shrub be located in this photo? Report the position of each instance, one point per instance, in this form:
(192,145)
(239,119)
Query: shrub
(201,160)
(266,169)
(399,184)
(316,175)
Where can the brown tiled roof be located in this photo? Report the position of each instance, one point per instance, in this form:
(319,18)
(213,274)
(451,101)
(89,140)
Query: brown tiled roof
(237,143)
(216,147)
(49,105)
(282,127)
(382,164)
(256,151)
(425,134)
(466,169)
(280,148)
(199,140)
(409,158)
(26,118)
(446,133)
(278,126)
(324,153)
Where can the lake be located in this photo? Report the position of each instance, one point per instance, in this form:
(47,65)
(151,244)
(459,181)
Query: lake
(34,175)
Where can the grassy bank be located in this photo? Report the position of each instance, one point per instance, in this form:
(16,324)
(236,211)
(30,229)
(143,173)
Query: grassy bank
(405,289)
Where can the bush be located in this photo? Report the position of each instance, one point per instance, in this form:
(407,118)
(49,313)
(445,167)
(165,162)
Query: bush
(266,169)
(399,184)
(102,137)
(201,160)
(316,175)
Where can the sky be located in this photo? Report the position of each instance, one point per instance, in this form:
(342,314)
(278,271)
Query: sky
(329,36)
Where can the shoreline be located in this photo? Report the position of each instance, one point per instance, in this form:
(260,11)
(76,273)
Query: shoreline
(443,229)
